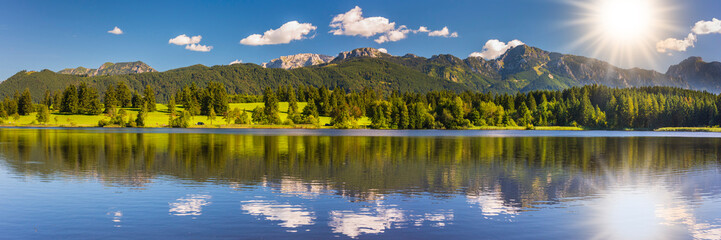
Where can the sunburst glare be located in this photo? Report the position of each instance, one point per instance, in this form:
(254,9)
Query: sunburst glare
(623,32)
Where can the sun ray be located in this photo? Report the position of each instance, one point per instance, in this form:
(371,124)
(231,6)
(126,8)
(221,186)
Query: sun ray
(622,32)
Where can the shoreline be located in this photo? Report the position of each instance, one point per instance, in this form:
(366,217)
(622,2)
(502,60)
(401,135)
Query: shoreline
(312,127)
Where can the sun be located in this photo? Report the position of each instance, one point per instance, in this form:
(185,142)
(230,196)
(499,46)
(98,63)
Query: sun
(623,32)
(625,20)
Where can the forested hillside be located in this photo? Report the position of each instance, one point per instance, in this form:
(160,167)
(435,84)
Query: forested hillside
(520,69)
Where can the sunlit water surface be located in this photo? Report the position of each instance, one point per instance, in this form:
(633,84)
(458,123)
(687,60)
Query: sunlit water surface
(301,184)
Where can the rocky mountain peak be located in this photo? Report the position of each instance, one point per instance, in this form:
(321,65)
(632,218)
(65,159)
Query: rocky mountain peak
(297,61)
(109,68)
(361,52)
(699,74)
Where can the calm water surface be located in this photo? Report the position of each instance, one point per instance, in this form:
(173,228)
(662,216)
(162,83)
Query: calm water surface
(299,184)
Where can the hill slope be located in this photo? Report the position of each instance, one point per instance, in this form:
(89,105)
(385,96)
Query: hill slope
(522,68)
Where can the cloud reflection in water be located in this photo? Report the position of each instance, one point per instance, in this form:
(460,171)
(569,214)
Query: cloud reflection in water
(290,216)
(190,205)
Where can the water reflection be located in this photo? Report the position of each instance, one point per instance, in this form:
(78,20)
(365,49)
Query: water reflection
(492,204)
(190,205)
(290,216)
(626,187)
(366,221)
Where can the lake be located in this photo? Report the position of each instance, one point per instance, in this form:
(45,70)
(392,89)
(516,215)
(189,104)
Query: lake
(358,184)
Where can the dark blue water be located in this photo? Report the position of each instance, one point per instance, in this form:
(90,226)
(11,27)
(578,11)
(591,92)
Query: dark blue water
(310,184)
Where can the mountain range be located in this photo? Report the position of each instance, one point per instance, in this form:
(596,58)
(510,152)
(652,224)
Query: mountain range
(523,68)
(109,68)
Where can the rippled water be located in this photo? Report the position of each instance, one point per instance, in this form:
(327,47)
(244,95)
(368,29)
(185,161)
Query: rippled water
(300,184)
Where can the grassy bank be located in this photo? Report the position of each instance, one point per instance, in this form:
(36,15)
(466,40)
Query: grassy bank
(689,129)
(161,117)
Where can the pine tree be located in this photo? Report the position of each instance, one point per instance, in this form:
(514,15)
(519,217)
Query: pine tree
(25,103)
(137,101)
(48,100)
(149,98)
(271,112)
(109,99)
(124,96)
(292,102)
(310,109)
(43,115)
(93,107)
(140,118)
(69,103)
(171,106)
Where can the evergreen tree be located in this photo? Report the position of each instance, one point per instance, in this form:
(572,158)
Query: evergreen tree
(399,114)
(310,109)
(149,98)
(171,106)
(140,118)
(57,99)
(381,114)
(341,118)
(124,96)
(137,101)
(271,112)
(525,118)
(43,115)
(69,104)
(11,106)
(258,115)
(25,103)
(109,99)
(83,98)
(48,99)
(292,102)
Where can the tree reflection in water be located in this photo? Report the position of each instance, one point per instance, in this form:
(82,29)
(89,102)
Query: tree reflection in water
(500,176)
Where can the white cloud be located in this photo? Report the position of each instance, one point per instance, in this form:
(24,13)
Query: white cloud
(236,62)
(383,50)
(198,47)
(707,27)
(394,35)
(185,40)
(116,31)
(352,23)
(679,45)
(443,33)
(290,31)
(191,43)
(495,48)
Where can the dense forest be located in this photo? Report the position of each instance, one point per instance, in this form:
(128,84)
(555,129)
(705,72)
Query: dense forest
(591,107)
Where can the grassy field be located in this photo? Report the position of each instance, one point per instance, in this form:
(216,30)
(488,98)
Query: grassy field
(160,118)
(689,129)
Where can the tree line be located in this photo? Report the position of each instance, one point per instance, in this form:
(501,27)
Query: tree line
(593,107)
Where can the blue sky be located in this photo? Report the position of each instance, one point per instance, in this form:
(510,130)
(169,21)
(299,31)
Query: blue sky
(36,35)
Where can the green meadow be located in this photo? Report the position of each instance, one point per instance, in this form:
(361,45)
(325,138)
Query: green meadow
(160,118)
